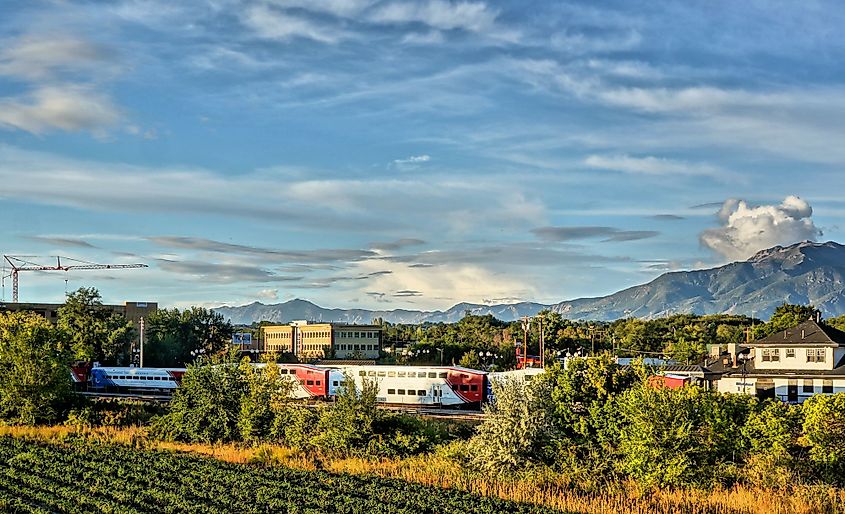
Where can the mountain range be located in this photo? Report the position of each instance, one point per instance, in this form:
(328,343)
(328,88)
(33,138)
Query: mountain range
(802,273)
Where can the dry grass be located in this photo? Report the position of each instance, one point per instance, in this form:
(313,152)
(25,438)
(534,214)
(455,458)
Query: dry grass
(547,490)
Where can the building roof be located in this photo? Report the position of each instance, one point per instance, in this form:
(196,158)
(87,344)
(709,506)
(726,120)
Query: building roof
(808,333)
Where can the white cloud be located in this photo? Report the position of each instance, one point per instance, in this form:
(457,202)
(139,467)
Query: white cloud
(268,294)
(439,14)
(652,166)
(273,24)
(413,159)
(40,57)
(69,108)
(748,229)
(339,8)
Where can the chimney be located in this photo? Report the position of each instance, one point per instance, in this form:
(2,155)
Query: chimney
(802,333)
(732,352)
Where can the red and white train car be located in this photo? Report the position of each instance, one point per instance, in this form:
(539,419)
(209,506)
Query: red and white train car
(311,382)
(447,386)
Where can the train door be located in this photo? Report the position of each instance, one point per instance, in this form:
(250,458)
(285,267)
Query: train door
(437,394)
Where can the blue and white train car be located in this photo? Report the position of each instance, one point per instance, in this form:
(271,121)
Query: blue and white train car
(120,379)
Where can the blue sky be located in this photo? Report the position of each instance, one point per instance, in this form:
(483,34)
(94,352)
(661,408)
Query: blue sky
(389,153)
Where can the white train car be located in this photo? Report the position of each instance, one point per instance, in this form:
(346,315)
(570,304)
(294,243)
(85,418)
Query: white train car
(122,379)
(446,386)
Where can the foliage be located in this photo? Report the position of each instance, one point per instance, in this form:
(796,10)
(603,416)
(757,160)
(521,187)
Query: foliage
(772,436)
(96,332)
(517,429)
(266,392)
(121,480)
(347,426)
(34,360)
(785,316)
(112,412)
(207,406)
(824,433)
(171,335)
(677,437)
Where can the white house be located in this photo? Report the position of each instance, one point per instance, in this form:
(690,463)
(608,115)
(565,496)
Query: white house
(790,365)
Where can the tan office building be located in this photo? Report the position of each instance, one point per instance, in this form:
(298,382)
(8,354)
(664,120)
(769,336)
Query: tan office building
(323,340)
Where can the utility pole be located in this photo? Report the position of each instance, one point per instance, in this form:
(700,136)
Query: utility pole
(542,343)
(526,324)
(141,337)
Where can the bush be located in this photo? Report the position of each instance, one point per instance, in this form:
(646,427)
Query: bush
(517,429)
(824,433)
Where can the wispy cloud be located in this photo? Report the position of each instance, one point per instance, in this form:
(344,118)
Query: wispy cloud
(413,159)
(650,165)
(269,23)
(608,234)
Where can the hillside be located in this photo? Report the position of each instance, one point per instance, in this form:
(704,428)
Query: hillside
(803,273)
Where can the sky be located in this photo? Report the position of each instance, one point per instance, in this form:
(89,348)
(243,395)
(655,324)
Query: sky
(412,154)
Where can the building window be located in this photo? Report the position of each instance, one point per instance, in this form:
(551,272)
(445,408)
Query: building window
(391,391)
(827,386)
(808,385)
(815,355)
(771,355)
(790,353)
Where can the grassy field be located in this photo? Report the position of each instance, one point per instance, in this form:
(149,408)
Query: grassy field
(550,492)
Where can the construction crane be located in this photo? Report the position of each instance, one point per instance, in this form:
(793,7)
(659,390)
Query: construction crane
(18,264)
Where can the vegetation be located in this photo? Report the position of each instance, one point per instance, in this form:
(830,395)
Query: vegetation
(96,333)
(34,363)
(175,338)
(39,478)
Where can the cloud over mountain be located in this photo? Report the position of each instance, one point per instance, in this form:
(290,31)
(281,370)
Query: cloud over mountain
(747,229)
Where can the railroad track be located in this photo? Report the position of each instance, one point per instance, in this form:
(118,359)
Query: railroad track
(423,412)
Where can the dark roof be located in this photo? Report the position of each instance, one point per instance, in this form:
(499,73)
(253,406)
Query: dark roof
(751,370)
(810,333)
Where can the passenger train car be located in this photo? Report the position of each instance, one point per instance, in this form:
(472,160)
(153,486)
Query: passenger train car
(446,386)
(140,380)
(436,386)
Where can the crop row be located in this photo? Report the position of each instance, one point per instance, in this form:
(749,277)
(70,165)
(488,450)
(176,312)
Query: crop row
(84,477)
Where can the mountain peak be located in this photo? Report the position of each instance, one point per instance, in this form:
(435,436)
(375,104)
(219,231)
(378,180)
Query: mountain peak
(803,273)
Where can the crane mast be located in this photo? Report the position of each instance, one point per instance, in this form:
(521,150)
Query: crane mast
(18,264)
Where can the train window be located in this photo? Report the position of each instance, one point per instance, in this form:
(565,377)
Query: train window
(421,392)
(362,373)
(473,387)
(528,378)
(400,391)
(371,373)
(302,382)
(443,374)
(381,373)
(391,373)
(421,374)
(401,374)
(391,391)
(464,387)
(283,371)
(432,374)
(412,392)
(464,376)
(310,382)
(334,383)
(317,382)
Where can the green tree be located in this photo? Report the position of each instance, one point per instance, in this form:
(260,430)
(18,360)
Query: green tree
(35,362)
(681,437)
(688,351)
(207,406)
(96,332)
(517,429)
(347,426)
(785,316)
(824,433)
(172,335)
(771,435)
(266,395)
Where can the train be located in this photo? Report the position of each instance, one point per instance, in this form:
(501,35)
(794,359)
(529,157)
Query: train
(432,386)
